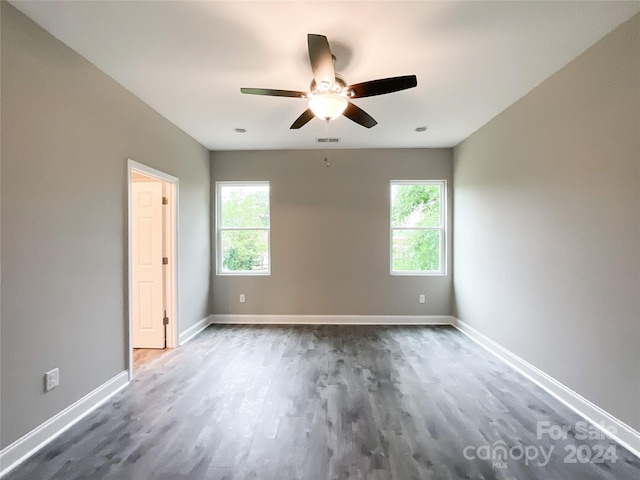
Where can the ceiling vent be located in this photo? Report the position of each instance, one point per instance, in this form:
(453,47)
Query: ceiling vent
(328,140)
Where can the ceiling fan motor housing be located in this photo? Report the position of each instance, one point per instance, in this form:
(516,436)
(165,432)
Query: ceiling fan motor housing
(338,86)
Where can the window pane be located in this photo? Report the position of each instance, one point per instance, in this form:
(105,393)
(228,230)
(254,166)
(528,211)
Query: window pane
(416,250)
(245,250)
(415,205)
(244,206)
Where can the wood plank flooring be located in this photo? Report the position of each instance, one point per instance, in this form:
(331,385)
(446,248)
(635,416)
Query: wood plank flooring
(325,402)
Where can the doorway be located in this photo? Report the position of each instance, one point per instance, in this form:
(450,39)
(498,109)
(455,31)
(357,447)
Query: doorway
(152,247)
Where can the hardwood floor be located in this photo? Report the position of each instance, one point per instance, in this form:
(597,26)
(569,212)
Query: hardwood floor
(326,402)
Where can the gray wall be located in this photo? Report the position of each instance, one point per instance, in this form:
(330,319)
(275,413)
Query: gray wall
(547,225)
(67,131)
(330,233)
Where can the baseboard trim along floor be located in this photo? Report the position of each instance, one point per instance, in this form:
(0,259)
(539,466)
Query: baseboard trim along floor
(236,319)
(191,332)
(624,434)
(16,453)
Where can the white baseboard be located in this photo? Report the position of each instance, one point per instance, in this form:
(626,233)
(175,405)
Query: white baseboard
(14,454)
(332,319)
(194,330)
(625,435)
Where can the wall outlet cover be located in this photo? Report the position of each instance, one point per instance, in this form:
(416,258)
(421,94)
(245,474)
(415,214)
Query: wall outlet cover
(51,379)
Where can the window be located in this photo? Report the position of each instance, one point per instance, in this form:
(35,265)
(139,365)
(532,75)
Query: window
(417,227)
(242,228)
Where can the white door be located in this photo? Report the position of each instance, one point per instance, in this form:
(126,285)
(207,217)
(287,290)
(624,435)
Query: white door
(146,272)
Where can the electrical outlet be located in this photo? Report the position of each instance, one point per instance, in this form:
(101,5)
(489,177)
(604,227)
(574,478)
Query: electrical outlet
(242,298)
(51,379)
(421,299)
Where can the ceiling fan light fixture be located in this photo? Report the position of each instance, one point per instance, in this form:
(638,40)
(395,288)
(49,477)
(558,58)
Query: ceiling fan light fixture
(328,106)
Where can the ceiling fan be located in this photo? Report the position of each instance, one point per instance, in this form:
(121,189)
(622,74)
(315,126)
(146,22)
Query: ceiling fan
(330,95)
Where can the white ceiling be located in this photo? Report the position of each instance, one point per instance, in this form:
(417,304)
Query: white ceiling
(188,61)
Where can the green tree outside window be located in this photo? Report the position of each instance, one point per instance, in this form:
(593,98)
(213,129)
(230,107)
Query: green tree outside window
(417,227)
(243,227)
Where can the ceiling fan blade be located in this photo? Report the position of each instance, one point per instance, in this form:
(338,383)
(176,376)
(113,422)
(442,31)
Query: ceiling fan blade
(359,116)
(302,120)
(382,86)
(273,93)
(321,60)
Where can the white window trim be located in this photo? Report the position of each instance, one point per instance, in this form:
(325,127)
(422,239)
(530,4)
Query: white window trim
(442,228)
(220,229)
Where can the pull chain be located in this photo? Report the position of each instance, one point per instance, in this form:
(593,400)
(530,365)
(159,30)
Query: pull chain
(326,137)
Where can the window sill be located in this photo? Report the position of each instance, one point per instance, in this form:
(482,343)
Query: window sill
(243,274)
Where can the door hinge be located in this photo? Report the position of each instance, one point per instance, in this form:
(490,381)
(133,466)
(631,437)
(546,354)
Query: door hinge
(165,201)
(165,260)
(165,323)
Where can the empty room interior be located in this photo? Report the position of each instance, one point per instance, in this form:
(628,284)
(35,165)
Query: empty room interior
(290,240)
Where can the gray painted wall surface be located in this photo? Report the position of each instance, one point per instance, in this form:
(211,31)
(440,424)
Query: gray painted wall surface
(67,131)
(547,225)
(330,233)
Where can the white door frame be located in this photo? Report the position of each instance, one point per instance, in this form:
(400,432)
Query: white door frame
(172,274)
